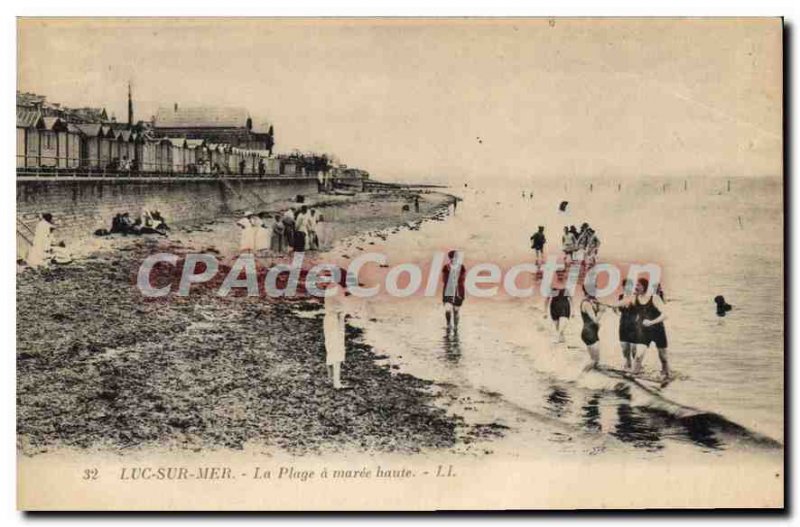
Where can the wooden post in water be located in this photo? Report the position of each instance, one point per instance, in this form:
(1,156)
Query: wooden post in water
(741,226)
(619,187)
(729,185)
(591,187)
(685,185)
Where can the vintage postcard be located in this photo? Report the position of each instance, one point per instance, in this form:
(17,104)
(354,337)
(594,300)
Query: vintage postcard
(400,264)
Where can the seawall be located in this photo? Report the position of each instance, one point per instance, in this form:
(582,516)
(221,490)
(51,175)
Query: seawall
(81,206)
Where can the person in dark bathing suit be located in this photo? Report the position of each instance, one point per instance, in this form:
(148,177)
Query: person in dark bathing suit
(627,324)
(559,307)
(590,314)
(650,315)
(537,243)
(454,291)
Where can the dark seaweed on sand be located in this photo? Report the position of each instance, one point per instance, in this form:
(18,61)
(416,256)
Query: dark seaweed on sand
(99,367)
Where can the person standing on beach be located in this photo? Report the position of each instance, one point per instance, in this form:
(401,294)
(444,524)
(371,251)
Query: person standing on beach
(537,243)
(277,242)
(568,245)
(454,275)
(338,304)
(581,242)
(322,231)
(260,234)
(247,237)
(590,314)
(559,306)
(333,326)
(313,240)
(592,247)
(42,241)
(650,315)
(288,224)
(301,230)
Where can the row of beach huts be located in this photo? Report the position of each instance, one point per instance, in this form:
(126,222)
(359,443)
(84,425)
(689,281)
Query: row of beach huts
(51,143)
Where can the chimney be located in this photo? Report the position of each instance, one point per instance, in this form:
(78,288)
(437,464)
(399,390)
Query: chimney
(176,107)
(130,107)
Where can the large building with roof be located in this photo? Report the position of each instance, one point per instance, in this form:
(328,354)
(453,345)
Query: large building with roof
(232,126)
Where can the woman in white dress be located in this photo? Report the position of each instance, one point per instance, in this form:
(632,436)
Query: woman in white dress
(42,240)
(260,234)
(311,225)
(333,326)
(247,238)
(321,230)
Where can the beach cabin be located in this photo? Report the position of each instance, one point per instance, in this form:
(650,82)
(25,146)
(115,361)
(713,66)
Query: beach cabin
(251,163)
(196,153)
(107,139)
(178,154)
(90,144)
(164,156)
(69,146)
(273,166)
(247,162)
(149,158)
(145,153)
(234,156)
(27,138)
(213,154)
(289,169)
(126,147)
(49,127)
(113,153)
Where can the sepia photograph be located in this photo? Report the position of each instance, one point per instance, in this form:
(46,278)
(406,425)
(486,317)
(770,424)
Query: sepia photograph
(403,264)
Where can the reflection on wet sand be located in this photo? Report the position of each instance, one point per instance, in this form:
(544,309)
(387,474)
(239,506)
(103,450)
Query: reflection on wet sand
(452,346)
(610,411)
(558,401)
(634,426)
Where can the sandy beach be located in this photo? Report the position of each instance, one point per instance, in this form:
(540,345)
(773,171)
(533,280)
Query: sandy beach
(202,372)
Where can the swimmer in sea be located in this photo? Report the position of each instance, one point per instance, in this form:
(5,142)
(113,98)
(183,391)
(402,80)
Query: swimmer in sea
(722,306)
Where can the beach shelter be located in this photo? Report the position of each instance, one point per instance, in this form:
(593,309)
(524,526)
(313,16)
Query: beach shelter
(27,137)
(91,134)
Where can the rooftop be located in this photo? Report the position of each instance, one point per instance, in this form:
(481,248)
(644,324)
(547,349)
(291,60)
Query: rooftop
(205,117)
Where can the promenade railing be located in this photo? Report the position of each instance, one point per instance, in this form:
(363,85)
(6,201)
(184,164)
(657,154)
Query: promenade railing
(32,167)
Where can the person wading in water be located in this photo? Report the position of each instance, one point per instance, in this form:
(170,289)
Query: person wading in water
(627,324)
(559,306)
(590,314)
(537,243)
(650,315)
(454,291)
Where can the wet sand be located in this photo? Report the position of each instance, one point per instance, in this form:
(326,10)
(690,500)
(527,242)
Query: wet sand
(100,367)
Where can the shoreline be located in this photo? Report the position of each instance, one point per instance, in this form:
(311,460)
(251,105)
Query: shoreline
(209,372)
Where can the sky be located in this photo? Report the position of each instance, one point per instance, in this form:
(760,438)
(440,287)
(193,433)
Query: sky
(442,100)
